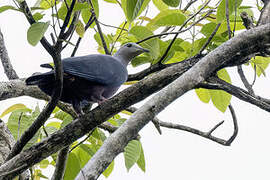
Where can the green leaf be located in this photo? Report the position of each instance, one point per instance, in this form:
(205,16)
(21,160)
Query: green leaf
(221,99)
(46,4)
(73,167)
(15,107)
(111,1)
(221,10)
(261,64)
(167,18)
(38,16)
(132,153)
(208,28)
(88,149)
(108,170)
(134,8)
(224,75)
(44,163)
(141,32)
(80,29)
(5,8)
(172,3)
(141,160)
(203,94)
(160,5)
(139,60)
(36,32)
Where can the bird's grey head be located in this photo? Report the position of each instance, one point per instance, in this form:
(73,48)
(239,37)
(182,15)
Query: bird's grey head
(128,51)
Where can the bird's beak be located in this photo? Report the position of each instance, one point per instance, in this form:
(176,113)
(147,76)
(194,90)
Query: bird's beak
(143,49)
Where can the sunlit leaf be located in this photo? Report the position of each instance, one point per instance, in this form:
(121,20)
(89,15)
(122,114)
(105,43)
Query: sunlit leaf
(108,170)
(5,8)
(72,167)
(203,94)
(261,64)
(15,107)
(80,28)
(160,5)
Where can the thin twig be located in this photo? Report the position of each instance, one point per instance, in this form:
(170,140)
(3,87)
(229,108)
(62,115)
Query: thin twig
(176,35)
(119,35)
(107,25)
(215,127)
(244,80)
(210,38)
(89,134)
(228,18)
(177,32)
(235,126)
(189,4)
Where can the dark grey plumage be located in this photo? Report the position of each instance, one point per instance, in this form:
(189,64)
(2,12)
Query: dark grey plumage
(92,78)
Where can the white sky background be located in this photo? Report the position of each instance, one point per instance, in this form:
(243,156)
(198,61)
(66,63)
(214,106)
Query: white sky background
(174,154)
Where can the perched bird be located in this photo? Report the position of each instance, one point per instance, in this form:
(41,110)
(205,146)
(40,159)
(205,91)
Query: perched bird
(92,78)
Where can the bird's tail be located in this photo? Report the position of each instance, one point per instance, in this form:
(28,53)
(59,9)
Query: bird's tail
(40,79)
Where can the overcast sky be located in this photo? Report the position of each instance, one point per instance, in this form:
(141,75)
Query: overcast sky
(174,154)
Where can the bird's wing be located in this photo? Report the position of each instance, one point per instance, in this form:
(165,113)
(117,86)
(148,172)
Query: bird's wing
(97,68)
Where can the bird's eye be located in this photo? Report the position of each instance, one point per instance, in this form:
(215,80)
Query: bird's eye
(129,45)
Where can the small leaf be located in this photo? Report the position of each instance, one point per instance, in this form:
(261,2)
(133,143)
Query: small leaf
(80,29)
(132,153)
(141,160)
(5,8)
(44,163)
(134,8)
(167,18)
(36,32)
(224,75)
(172,3)
(220,99)
(111,1)
(160,5)
(38,16)
(261,64)
(108,170)
(203,94)
(13,108)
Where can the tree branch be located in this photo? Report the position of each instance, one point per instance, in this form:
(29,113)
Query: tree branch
(189,80)
(60,166)
(9,71)
(216,83)
(117,141)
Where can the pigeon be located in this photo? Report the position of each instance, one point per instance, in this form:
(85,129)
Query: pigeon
(92,78)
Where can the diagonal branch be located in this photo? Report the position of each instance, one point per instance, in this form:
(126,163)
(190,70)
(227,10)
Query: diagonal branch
(216,83)
(117,141)
(9,71)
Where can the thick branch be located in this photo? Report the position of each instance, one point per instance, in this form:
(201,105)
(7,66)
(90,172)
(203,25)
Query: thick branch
(190,79)
(60,164)
(76,129)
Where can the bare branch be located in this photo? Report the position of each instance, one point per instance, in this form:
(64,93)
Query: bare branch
(60,166)
(216,83)
(228,18)
(235,125)
(247,21)
(244,80)
(9,71)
